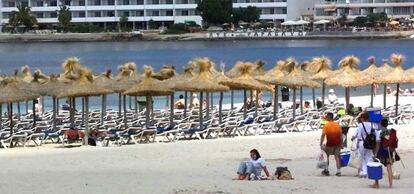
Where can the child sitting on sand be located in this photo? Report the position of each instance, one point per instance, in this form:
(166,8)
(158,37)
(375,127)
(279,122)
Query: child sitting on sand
(252,169)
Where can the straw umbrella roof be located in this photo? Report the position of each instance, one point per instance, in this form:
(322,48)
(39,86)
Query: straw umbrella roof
(166,72)
(297,78)
(36,84)
(348,74)
(71,69)
(203,82)
(245,81)
(257,70)
(275,75)
(126,78)
(372,72)
(149,86)
(397,75)
(82,86)
(26,75)
(186,75)
(10,92)
(320,67)
(53,87)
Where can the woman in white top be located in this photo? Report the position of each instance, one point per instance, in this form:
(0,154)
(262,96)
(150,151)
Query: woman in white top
(252,169)
(195,101)
(364,128)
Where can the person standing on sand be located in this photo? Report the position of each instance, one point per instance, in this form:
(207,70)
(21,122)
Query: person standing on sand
(333,133)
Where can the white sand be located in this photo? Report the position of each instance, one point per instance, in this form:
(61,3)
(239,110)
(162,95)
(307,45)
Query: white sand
(186,167)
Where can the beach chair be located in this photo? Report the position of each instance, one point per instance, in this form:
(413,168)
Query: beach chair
(6,139)
(148,135)
(207,133)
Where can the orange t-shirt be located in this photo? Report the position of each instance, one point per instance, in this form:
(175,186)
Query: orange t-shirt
(333,132)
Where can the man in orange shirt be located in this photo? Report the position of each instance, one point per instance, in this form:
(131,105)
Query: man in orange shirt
(333,133)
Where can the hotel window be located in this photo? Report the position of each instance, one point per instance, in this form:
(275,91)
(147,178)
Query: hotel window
(97,14)
(125,2)
(81,3)
(111,2)
(39,14)
(140,2)
(169,13)
(11,4)
(184,12)
(39,3)
(97,2)
(169,2)
(155,13)
(53,15)
(66,2)
(53,4)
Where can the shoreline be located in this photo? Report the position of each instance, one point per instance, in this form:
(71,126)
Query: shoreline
(119,37)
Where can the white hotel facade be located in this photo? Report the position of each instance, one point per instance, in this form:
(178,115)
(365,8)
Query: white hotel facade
(139,12)
(330,9)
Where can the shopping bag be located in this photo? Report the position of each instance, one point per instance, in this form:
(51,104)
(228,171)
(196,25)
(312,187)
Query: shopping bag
(322,160)
(355,161)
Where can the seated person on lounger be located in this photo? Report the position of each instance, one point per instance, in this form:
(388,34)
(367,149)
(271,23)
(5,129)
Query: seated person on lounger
(180,104)
(252,169)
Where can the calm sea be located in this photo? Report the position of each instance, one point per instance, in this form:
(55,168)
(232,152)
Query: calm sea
(99,56)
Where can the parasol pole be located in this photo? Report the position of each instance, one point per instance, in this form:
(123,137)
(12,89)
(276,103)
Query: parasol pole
(18,110)
(34,113)
(220,108)
(1,116)
(211,100)
(313,97)
(54,113)
(207,105)
(301,100)
(347,98)
(396,99)
(125,113)
(385,96)
(201,112)
(83,110)
(323,93)
(57,105)
(71,110)
(27,106)
(147,112)
(10,107)
(172,109)
(42,99)
(294,103)
(275,103)
(372,95)
(257,102)
(136,106)
(130,102)
(185,103)
(232,100)
(86,99)
(245,104)
(251,98)
(119,105)
(103,110)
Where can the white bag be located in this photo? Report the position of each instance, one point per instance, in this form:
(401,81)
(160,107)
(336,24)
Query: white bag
(322,160)
(355,161)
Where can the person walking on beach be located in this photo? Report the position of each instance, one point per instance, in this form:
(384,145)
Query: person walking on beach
(332,131)
(252,169)
(386,151)
(365,129)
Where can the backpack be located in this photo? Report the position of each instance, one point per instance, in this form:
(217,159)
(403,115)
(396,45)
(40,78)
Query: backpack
(391,141)
(370,139)
(282,173)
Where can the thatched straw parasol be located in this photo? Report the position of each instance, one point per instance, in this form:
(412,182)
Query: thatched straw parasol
(296,80)
(10,92)
(172,82)
(371,74)
(275,77)
(397,76)
(71,69)
(126,78)
(245,82)
(82,86)
(321,69)
(347,76)
(203,82)
(384,70)
(166,72)
(150,87)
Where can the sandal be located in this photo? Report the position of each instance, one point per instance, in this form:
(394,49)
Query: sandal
(325,173)
(338,174)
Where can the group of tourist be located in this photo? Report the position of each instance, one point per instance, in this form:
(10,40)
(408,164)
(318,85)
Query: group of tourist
(403,92)
(374,142)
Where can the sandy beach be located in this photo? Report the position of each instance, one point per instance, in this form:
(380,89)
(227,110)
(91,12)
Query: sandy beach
(187,167)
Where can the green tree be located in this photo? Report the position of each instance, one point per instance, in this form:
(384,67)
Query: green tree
(248,14)
(377,18)
(342,20)
(64,18)
(123,24)
(215,12)
(360,21)
(23,16)
(152,25)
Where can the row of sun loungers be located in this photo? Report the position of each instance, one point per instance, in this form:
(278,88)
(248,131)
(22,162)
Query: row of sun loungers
(134,132)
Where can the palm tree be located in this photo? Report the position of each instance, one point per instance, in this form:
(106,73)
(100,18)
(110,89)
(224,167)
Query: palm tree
(23,16)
